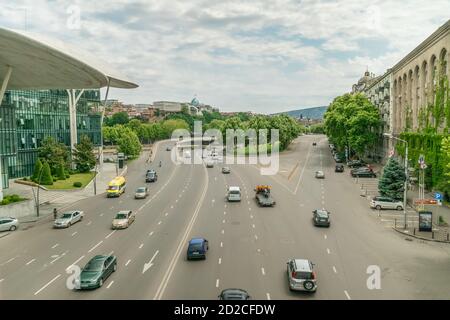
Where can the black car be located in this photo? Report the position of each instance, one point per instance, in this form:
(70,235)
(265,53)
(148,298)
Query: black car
(314,144)
(151,176)
(356,164)
(339,168)
(234,294)
(363,173)
(321,218)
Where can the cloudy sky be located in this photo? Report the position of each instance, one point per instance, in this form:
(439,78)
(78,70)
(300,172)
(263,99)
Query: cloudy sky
(265,56)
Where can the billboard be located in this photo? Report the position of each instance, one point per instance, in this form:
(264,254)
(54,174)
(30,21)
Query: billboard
(425,221)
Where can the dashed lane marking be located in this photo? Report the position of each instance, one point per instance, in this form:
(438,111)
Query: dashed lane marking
(263,271)
(54,246)
(110,284)
(217,283)
(128,262)
(93,248)
(334,269)
(110,234)
(220,260)
(348,296)
(30,262)
(48,283)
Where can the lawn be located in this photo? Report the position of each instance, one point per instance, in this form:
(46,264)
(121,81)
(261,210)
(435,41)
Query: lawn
(67,184)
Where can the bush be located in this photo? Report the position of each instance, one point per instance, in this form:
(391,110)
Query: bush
(77,184)
(60,171)
(25,179)
(11,199)
(5,202)
(67,176)
(46,178)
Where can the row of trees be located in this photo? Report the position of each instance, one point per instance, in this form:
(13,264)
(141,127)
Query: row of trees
(54,161)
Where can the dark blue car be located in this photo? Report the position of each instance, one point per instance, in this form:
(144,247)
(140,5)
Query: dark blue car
(197,248)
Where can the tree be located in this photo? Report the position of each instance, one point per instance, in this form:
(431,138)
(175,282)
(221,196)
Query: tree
(54,152)
(61,174)
(128,143)
(392,182)
(46,178)
(445,149)
(37,170)
(119,118)
(83,155)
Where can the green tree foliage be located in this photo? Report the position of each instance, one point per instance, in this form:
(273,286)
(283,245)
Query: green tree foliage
(37,170)
(128,143)
(445,149)
(118,118)
(54,152)
(46,178)
(168,126)
(353,121)
(318,128)
(391,184)
(61,174)
(83,155)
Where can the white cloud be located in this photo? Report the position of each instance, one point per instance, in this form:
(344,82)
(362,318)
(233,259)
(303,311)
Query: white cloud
(268,55)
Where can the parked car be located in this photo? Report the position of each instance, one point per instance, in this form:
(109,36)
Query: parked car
(321,218)
(151,176)
(339,168)
(68,218)
(301,276)
(226,170)
(197,248)
(363,172)
(141,193)
(356,164)
(338,158)
(234,294)
(320,175)
(169,148)
(314,144)
(123,219)
(96,271)
(386,203)
(8,224)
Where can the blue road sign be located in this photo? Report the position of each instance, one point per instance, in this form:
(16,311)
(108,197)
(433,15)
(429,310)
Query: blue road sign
(438,196)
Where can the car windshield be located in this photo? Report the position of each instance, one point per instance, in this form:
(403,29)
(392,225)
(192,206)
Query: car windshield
(150,174)
(121,216)
(66,216)
(94,265)
(195,247)
(113,188)
(303,275)
(234,192)
(140,190)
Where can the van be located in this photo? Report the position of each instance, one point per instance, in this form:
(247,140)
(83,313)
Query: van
(116,187)
(234,194)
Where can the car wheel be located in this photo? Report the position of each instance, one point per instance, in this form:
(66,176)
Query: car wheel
(81,218)
(399,208)
(115,267)
(378,207)
(69,224)
(308,285)
(13,228)
(100,283)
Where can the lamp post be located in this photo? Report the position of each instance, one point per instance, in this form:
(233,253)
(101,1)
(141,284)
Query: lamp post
(38,188)
(406,173)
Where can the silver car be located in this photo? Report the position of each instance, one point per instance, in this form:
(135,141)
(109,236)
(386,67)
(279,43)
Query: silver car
(68,218)
(386,203)
(8,224)
(141,193)
(320,175)
(301,276)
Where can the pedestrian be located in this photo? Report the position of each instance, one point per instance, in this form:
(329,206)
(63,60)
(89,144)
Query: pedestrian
(55,213)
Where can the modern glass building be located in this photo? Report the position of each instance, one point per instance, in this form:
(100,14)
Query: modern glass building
(28,117)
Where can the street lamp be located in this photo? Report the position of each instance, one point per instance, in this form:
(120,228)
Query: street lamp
(38,188)
(389,135)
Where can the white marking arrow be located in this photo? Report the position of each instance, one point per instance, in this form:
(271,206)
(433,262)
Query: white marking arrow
(150,263)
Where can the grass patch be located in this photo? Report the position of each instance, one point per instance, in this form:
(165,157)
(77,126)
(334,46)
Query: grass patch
(13,198)
(67,184)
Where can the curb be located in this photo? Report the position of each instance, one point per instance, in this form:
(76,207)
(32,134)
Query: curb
(420,238)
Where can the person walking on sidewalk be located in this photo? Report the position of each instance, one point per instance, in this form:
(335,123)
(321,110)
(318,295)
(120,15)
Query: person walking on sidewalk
(55,213)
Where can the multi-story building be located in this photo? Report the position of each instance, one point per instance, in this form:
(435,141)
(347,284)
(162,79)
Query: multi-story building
(28,117)
(168,106)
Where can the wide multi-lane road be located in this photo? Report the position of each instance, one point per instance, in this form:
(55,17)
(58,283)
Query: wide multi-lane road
(249,245)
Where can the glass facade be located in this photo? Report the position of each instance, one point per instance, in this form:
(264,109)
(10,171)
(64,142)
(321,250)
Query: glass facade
(28,117)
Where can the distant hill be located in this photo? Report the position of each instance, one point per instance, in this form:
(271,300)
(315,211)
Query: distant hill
(311,113)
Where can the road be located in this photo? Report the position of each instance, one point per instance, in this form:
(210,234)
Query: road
(249,245)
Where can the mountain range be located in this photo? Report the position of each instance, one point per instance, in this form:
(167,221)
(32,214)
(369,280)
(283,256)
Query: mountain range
(311,113)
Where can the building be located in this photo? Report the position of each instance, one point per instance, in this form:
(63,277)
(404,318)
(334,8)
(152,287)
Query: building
(364,82)
(168,106)
(379,93)
(28,117)
(414,79)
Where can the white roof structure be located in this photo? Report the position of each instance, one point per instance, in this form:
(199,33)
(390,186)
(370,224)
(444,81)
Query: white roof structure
(42,63)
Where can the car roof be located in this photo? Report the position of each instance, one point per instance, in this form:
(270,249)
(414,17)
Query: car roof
(302,265)
(99,257)
(8,218)
(322,212)
(196,240)
(234,188)
(234,293)
(124,211)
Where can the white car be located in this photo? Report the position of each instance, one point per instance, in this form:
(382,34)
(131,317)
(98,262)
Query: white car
(234,194)
(68,218)
(8,224)
(386,203)
(320,175)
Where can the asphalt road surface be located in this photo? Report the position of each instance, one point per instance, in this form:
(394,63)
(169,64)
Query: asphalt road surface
(248,245)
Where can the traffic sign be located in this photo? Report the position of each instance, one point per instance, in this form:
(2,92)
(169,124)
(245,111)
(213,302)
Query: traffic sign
(438,196)
(422,159)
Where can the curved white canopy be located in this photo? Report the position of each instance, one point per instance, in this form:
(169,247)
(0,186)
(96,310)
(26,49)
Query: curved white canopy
(42,63)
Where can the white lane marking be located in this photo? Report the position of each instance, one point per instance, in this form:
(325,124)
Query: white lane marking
(110,284)
(166,214)
(54,246)
(220,260)
(109,235)
(180,196)
(325,236)
(223,231)
(256,237)
(225,206)
(128,262)
(253,226)
(217,283)
(328,251)
(348,296)
(165,280)
(150,263)
(159,222)
(303,171)
(93,248)
(89,223)
(176,200)
(59,257)
(334,269)
(111,208)
(30,262)
(224,212)
(101,214)
(248,202)
(140,247)
(150,234)
(263,271)
(1,280)
(259,250)
(251,216)
(223,221)
(171,207)
(120,201)
(268,296)
(74,233)
(221,244)
(249,209)
(73,264)
(49,283)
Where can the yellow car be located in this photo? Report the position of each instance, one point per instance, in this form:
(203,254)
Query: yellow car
(116,187)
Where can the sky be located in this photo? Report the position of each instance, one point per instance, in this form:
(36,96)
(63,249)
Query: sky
(263,56)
